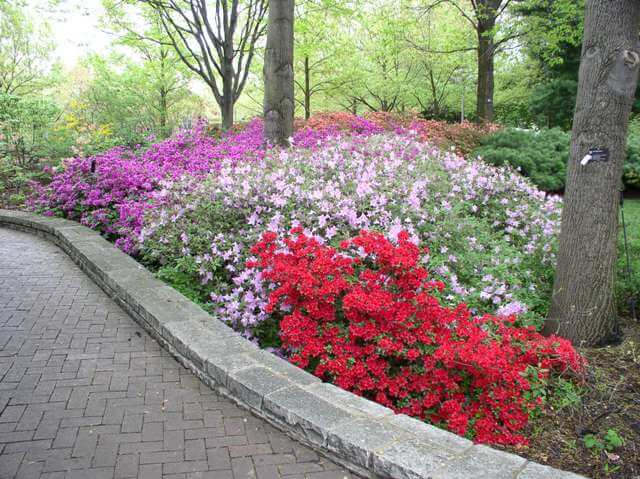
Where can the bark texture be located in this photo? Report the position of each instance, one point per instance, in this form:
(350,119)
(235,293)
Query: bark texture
(583,307)
(486,54)
(278,73)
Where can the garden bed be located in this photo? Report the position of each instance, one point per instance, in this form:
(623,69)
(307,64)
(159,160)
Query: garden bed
(574,433)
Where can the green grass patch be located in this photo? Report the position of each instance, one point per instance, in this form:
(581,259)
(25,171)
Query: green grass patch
(628,286)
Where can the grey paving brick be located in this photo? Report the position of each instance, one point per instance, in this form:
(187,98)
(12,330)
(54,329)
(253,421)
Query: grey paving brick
(242,468)
(9,464)
(195,450)
(150,471)
(127,466)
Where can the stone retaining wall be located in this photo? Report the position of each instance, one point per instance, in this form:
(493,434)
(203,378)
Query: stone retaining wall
(363,436)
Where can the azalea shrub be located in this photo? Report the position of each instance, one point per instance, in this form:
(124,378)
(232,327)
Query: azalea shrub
(461,137)
(492,234)
(111,191)
(364,316)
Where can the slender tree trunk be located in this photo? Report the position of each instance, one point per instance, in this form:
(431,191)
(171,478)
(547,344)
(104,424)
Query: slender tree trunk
(228,100)
(434,94)
(583,307)
(278,73)
(486,54)
(307,89)
(163,113)
(163,94)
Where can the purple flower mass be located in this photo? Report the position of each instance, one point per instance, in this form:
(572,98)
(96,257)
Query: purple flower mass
(126,182)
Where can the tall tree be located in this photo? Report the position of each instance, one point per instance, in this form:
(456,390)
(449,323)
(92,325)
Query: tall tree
(321,53)
(24,51)
(278,73)
(381,52)
(553,45)
(216,44)
(583,307)
(440,88)
(166,78)
(136,99)
(484,16)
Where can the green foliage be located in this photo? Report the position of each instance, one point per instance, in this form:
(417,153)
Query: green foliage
(125,102)
(183,276)
(540,155)
(513,91)
(555,26)
(27,128)
(610,441)
(14,181)
(552,103)
(24,51)
(565,394)
(632,164)
(554,45)
(628,286)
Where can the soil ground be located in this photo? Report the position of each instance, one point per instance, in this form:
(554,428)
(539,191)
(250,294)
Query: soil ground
(610,400)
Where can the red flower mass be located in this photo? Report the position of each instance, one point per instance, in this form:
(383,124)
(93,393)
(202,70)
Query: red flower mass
(365,318)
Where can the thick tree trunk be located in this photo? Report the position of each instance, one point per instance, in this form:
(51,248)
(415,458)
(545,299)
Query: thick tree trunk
(278,73)
(226,110)
(486,54)
(307,89)
(583,307)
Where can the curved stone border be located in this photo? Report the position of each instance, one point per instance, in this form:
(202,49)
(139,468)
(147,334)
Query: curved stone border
(363,436)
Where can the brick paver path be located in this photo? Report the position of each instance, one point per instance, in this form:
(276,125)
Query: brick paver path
(85,392)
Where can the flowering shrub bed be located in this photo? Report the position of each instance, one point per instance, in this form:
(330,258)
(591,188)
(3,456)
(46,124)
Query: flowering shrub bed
(447,348)
(363,316)
(122,186)
(491,233)
(461,137)
(114,197)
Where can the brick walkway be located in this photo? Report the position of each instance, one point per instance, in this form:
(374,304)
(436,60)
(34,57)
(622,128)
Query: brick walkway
(86,393)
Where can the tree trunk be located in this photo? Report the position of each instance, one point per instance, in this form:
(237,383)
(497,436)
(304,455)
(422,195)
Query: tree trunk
(486,53)
(583,307)
(227,101)
(163,107)
(226,110)
(278,73)
(307,89)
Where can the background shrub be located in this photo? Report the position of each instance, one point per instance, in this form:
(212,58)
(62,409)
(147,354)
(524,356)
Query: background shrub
(541,155)
(631,176)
